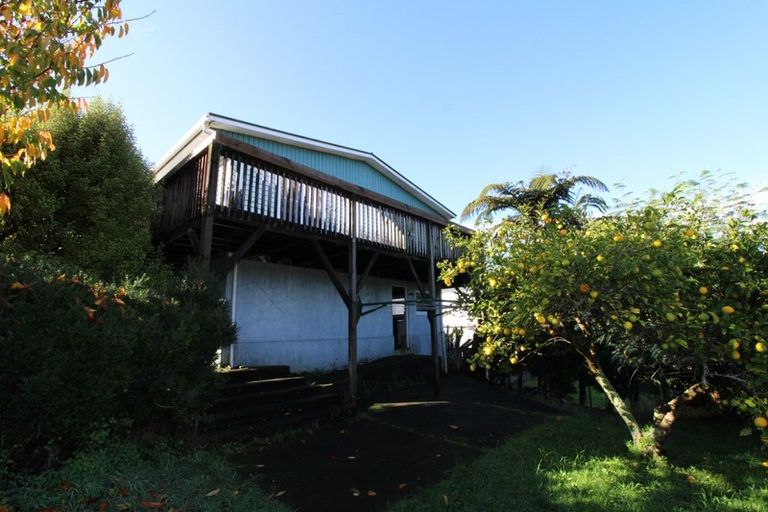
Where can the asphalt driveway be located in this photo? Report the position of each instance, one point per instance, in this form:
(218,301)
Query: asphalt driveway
(402,441)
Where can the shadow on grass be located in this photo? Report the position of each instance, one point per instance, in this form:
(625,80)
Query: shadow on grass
(582,463)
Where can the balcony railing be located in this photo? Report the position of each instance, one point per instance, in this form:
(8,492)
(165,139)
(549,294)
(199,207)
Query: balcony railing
(248,188)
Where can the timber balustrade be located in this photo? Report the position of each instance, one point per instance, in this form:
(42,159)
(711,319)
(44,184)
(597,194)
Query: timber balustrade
(248,188)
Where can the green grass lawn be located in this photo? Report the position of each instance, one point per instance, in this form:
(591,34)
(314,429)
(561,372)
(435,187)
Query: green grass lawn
(582,463)
(579,463)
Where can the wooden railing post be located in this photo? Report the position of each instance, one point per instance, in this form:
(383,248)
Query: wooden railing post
(206,226)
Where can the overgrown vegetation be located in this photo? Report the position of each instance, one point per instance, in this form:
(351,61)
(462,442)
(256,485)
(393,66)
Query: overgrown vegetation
(91,203)
(581,463)
(131,476)
(99,338)
(83,359)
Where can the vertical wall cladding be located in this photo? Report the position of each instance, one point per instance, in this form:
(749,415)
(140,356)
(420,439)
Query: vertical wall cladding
(347,169)
(294,316)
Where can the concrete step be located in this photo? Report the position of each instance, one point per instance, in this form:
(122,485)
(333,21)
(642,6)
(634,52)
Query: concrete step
(261,385)
(280,394)
(269,410)
(270,425)
(256,373)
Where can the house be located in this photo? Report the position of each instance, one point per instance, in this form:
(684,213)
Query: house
(327,254)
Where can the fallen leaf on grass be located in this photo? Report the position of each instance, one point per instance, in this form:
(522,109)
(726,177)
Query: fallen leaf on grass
(155,505)
(214,492)
(64,486)
(123,506)
(122,491)
(401,487)
(279,493)
(4,509)
(445,499)
(355,491)
(371,493)
(691,479)
(103,505)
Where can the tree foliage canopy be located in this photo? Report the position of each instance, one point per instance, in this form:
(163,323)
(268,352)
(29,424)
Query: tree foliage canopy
(675,289)
(547,192)
(45,47)
(92,201)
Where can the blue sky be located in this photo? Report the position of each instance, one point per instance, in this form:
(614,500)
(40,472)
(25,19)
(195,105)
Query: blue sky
(456,95)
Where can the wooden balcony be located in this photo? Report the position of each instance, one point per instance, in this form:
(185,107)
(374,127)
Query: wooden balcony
(247,186)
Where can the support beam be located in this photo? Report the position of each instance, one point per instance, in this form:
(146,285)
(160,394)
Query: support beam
(353,316)
(367,271)
(206,224)
(335,279)
(432,313)
(194,241)
(222,267)
(416,277)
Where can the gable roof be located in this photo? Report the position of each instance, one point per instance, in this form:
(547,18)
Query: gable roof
(203,132)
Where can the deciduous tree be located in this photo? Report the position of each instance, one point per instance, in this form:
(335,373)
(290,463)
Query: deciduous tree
(46,47)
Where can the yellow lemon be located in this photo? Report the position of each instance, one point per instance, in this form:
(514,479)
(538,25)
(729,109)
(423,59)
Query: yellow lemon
(728,310)
(761,422)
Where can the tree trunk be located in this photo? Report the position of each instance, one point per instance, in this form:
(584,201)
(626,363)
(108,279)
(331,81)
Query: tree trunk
(687,403)
(618,403)
(582,390)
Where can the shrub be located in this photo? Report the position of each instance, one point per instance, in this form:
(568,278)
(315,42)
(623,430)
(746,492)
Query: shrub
(81,357)
(91,202)
(127,476)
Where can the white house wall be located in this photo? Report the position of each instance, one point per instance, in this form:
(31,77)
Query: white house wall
(294,316)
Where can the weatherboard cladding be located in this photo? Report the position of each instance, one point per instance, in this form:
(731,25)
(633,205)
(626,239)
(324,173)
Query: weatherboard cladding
(353,171)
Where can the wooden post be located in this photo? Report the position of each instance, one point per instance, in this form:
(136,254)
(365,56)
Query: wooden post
(206,226)
(353,304)
(432,312)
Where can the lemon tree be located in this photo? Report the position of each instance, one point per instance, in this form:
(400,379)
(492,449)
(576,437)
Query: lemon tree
(673,288)
(45,50)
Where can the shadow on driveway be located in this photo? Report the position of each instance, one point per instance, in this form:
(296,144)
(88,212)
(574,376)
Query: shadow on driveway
(402,442)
